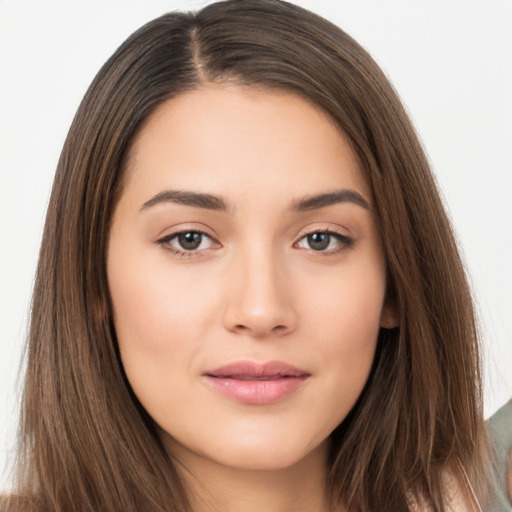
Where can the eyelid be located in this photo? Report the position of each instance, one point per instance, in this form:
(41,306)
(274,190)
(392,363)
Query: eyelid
(184,227)
(346,241)
(164,240)
(323,228)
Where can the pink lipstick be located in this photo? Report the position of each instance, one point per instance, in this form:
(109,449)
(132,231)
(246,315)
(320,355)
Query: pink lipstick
(253,383)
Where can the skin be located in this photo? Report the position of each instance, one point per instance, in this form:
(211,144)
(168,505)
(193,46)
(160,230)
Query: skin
(254,289)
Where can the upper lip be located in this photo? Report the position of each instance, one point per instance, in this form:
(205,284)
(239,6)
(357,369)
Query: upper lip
(254,370)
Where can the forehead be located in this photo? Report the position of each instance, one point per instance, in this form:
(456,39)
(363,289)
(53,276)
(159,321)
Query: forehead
(222,138)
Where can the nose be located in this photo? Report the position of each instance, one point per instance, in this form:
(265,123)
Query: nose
(260,302)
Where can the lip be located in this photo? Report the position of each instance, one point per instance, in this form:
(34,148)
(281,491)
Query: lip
(255,383)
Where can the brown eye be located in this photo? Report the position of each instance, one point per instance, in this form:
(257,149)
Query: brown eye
(327,242)
(319,241)
(189,241)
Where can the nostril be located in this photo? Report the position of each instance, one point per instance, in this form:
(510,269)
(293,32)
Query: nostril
(277,329)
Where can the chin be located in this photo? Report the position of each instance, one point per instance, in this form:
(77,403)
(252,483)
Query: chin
(264,453)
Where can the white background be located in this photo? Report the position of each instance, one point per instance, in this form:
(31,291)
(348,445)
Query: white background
(451,61)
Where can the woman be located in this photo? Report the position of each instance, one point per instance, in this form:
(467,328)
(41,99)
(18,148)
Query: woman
(249,295)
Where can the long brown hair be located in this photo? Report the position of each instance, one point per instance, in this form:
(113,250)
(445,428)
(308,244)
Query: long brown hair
(86,443)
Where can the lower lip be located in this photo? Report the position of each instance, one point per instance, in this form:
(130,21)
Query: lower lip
(256,392)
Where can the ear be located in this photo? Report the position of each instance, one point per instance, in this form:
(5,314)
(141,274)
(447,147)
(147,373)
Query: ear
(389,316)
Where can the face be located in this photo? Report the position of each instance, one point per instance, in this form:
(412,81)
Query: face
(246,275)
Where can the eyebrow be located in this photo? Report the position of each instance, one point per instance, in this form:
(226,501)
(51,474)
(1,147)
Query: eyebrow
(328,199)
(216,203)
(196,199)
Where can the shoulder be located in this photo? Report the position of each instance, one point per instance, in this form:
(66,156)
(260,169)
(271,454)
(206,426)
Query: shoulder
(499,426)
(458,494)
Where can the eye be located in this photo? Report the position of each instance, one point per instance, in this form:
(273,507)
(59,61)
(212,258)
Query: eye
(325,241)
(187,241)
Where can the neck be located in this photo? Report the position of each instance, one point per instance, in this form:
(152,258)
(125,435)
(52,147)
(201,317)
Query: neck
(214,488)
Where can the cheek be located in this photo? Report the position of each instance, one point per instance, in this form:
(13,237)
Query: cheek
(349,305)
(152,304)
(160,321)
(345,321)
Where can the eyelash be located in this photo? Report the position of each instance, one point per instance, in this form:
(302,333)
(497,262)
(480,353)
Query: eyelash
(344,241)
(165,243)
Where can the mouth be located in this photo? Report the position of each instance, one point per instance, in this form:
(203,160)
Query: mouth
(257,384)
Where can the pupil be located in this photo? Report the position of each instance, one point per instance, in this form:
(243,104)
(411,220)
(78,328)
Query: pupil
(319,241)
(190,241)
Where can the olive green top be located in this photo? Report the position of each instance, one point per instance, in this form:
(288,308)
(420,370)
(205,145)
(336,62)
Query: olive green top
(500,433)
